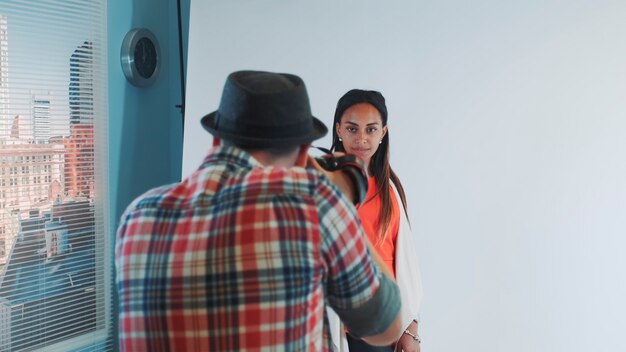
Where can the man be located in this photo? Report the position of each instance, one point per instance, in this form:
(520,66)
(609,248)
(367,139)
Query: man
(246,253)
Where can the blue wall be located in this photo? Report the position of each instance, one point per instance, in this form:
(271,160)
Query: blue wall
(145,126)
(145,129)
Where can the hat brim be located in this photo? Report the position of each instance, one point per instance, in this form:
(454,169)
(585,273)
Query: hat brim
(209,122)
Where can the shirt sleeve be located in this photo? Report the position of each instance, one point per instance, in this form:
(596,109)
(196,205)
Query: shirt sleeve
(356,289)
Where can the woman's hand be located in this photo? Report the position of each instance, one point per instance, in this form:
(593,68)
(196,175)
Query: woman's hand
(407,343)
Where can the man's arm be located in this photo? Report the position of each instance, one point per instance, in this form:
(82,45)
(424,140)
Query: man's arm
(361,289)
(395,330)
(388,337)
(377,321)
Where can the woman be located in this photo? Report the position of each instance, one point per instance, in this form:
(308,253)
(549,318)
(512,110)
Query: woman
(360,128)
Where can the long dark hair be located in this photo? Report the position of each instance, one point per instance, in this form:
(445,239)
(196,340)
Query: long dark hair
(379,164)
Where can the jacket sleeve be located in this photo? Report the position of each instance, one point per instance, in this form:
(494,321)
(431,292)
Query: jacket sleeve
(408,274)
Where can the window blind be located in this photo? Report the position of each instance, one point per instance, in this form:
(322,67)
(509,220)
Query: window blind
(55,244)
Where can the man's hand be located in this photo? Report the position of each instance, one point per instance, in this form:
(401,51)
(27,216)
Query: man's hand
(407,343)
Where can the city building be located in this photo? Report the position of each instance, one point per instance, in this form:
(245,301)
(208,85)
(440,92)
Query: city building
(79,161)
(41,117)
(54,251)
(79,145)
(4,79)
(81,85)
(31,177)
(37,171)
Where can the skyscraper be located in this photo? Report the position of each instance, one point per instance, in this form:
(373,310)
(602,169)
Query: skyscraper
(79,146)
(5,120)
(81,85)
(41,118)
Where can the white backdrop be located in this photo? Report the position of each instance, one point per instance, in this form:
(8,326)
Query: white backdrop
(508,129)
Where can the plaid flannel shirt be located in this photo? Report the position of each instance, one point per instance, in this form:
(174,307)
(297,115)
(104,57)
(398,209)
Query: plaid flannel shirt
(239,257)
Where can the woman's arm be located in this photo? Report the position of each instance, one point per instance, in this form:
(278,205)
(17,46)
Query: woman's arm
(410,341)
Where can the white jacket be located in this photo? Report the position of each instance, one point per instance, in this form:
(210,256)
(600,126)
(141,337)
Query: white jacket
(408,277)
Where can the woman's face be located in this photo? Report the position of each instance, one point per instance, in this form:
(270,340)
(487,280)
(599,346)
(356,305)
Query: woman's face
(361,130)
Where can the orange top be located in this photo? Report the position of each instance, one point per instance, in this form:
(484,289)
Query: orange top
(368,212)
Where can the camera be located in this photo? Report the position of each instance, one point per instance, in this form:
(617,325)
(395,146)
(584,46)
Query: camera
(352,166)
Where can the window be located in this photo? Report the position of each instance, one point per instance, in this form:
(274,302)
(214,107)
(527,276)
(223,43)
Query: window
(55,244)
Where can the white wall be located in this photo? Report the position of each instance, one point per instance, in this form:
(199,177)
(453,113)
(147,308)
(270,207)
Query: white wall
(508,128)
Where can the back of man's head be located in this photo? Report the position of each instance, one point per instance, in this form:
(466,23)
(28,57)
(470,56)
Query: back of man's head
(264,111)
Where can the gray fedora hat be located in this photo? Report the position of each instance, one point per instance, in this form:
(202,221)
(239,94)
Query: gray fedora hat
(264,109)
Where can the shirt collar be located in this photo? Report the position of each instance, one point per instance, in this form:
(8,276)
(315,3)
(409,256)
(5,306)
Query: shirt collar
(230,155)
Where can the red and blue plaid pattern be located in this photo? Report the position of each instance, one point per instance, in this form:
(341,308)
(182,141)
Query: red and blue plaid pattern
(239,257)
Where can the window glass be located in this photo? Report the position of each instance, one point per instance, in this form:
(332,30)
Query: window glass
(54,242)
